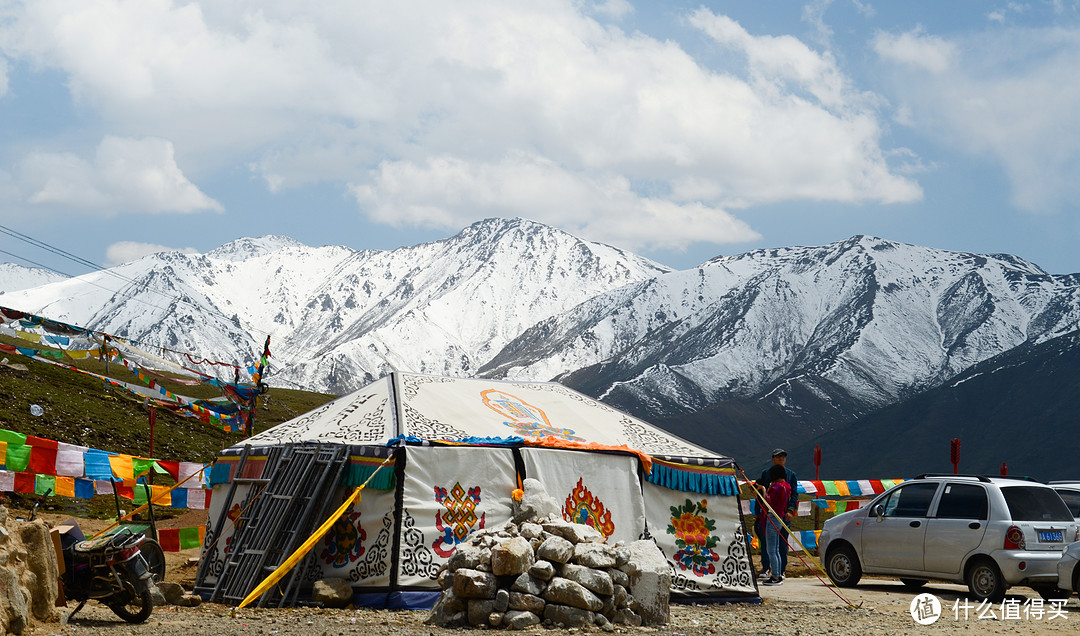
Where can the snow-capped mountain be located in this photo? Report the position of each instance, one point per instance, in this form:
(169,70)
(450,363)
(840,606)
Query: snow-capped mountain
(16,277)
(339,318)
(804,338)
(855,326)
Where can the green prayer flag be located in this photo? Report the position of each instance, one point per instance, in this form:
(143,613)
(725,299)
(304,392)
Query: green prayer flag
(140,494)
(189,538)
(44,483)
(141,466)
(18,458)
(12,438)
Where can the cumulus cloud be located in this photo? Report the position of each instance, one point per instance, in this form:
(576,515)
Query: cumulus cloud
(999,96)
(448,192)
(915,48)
(352,92)
(127,251)
(615,9)
(125,175)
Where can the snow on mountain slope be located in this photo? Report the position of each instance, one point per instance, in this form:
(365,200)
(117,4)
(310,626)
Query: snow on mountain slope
(868,320)
(16,277)
(338,317)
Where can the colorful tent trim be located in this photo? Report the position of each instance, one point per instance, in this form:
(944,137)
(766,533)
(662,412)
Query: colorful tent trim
(361,468)
(707,480)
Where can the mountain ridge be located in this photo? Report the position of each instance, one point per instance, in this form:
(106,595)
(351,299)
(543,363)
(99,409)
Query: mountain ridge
(784,343)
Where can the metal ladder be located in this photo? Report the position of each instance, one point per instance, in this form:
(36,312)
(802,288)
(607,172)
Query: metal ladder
(297,492)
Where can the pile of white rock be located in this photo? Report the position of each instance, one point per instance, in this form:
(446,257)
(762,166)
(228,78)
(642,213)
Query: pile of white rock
(539,568)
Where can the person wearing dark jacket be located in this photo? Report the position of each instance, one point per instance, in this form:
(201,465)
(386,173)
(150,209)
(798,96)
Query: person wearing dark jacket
(779,458)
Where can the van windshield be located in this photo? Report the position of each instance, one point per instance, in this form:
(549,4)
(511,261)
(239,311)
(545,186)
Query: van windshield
(1031,503)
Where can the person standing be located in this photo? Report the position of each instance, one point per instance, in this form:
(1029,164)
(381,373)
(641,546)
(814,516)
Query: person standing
(776,496)
(779,458)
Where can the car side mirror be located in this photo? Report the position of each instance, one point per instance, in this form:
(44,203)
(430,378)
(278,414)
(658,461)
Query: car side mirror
(879,512)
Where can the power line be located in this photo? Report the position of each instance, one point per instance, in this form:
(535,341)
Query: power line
(87,263)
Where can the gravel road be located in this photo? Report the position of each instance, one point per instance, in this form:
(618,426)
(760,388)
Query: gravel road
(799,606)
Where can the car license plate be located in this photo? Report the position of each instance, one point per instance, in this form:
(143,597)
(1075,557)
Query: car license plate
(1050,536)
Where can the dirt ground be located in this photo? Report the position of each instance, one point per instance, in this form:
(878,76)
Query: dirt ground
(802,605)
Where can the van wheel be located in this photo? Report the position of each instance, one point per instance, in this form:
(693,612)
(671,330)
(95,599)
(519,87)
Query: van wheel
(843,566)
(913,584)
(984,581)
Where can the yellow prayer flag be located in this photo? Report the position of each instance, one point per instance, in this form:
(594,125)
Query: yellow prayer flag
(65,486)
(842,489)
(31,337)
(122,467)
(161,495)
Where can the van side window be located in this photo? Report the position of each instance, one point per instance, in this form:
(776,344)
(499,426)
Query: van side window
(963,501)
(910,501)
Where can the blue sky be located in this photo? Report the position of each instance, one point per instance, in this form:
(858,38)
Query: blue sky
(681,131)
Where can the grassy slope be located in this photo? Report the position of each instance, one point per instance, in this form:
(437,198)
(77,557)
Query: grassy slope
(83,410)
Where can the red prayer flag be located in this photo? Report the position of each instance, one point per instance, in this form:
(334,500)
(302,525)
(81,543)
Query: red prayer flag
(172,467)
(24,482)
(41,442)
(42,459)
(878,487)
(127,492)
(169,539)
(820,488)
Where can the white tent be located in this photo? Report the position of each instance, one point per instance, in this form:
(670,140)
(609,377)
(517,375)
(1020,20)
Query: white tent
(452,450)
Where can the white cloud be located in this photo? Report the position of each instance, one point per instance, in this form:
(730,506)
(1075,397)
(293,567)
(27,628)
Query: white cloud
(125,175)
(3,76)
(615,9)
(305,92)
(127,251)
(448,192)
(1005,97)
(915,48)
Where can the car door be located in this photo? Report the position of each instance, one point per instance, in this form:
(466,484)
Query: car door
(956,527)
(894,540)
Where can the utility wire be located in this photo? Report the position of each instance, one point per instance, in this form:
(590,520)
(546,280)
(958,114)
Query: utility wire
(87,263)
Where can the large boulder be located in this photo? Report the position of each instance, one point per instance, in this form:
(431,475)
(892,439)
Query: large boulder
(535,503)
(42,571)
(566,592)
(650,582)
(512,556)
(474,584)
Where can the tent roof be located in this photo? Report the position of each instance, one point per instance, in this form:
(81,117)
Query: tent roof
(444,408)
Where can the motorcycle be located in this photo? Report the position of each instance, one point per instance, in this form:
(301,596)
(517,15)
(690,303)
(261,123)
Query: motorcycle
(109,568)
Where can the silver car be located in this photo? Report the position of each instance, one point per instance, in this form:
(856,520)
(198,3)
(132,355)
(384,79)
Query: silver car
(988,533)
(1068,570)
(1070,494)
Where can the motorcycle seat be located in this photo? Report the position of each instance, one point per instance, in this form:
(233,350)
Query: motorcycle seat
(93,545)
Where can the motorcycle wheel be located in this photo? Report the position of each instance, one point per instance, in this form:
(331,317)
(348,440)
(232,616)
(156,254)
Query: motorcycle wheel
(137,608)
(155,559)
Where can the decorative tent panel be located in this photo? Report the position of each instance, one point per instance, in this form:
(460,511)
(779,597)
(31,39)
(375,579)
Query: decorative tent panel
(435,407)
(447,493)
(218,540)
(598,490)
(363,417)
(703,540)
(359,545)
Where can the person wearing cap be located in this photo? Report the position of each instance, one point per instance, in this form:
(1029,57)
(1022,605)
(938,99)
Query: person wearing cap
(779,458)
